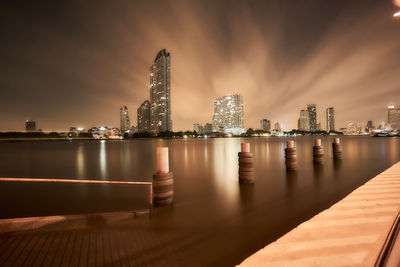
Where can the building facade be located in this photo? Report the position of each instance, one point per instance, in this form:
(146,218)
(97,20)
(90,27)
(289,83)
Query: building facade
(330,119)
(394,117)
(143,117)
(312,116)
(228,114)
(278,127)
(304,121)
(160,93)
(30,126)
(125,123)
(265,125)
(208,128)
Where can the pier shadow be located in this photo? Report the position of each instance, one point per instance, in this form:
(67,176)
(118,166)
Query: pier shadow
(337,166)
(318,170)
(246,192)
(291,183)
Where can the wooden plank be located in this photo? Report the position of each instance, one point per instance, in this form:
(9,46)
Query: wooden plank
(83,258)
(68,250)
(43,251)
(28,251)
(15,241)
(17,251)
(108,255)
(41,239)
(99,249)
(63,242)
(51,252)
(76,251)
(92,248)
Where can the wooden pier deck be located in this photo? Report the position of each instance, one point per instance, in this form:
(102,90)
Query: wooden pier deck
(350,233)
(93,240)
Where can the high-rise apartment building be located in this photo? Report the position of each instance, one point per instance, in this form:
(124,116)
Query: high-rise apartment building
(143,117)
(160,93)
(304,121)
(228,114)
(278,127)
(30,126)
(208,128)
(125,123)
(265,125)
(394,117)
(196,127)
(370,125)
(330,119)
(312,115)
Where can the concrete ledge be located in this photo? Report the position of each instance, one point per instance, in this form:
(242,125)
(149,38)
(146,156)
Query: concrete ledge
(350,233)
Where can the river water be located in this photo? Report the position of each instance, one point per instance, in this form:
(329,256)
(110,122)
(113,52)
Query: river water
(233,220)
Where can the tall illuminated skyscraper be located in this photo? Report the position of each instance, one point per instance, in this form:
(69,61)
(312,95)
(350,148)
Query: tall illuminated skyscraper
(125,123)
(330,119)
(160,95)
(304,121)
(228,114)
(143,117)
(394,117)
(265,125)
(312,115)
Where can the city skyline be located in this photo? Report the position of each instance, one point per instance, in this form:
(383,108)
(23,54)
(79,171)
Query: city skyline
(282,66)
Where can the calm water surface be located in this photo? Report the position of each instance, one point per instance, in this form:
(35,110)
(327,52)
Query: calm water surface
(227,221)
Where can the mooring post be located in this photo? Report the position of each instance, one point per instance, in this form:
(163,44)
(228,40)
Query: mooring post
(290,156)
(246,169)
(336,149)
(318,152)
(163,180)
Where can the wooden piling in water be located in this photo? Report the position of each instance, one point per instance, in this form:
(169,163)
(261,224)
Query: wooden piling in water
(163,180)
(290,156)
(337,149)
(318,152)
(246,169)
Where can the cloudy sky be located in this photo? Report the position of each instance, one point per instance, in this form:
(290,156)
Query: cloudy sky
(75,63)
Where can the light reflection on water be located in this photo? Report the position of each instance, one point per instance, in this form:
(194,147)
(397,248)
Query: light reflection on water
(103,159)
(208,196)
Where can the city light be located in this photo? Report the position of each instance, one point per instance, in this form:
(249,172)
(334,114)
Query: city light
(397,14)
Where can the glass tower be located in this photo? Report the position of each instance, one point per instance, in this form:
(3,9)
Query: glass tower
(312,115)
(125,123)
(160,96)
(330,119)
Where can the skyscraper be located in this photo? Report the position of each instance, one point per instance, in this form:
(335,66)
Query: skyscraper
(370,125)
(143,117)
(278,127)
(304,121)
(125,123)
(228,114)
(208,128)
(160,95)
(196,127)
(265,125)
(394,117)
(30,126)
(312,115)
(330,119)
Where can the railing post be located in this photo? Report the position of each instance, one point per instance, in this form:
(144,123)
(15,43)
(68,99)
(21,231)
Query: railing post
(163,181)
(337,149)
(318,152)
(290,156)
(246,170)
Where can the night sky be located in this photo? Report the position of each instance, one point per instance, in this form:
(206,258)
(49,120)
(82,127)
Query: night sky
(75,63)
